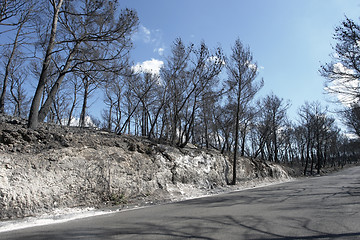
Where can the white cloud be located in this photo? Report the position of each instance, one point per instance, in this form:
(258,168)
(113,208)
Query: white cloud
(149,66)
(149,36)
(146,33)
(152,38)
(145,30)
(160,51)
(142,34)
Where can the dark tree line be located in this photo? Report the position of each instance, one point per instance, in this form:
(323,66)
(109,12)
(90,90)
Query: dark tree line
(73,49)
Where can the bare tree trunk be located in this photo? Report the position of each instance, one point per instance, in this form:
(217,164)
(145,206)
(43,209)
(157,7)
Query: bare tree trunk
(319,157)
(34,109)
(144,120)
(109,117)
(312,162)
(17,98)
(72,107)
(7,68)
(275,147)
(206,133)
(307,158)
(190,125)
(127,121)
(236,134)
(51,96)
(84,106)
(174,127)
(71,111)
(152,125)
(243,140)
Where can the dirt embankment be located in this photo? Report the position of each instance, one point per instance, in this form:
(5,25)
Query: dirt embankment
(58,167)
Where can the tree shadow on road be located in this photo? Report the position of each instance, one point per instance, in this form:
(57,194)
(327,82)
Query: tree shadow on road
(209,228)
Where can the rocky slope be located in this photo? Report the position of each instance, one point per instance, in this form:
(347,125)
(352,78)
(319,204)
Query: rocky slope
(60,167)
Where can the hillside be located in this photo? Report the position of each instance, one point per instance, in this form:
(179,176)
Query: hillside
(64,167)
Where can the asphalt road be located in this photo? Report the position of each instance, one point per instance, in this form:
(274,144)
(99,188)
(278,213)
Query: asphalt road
(325,207)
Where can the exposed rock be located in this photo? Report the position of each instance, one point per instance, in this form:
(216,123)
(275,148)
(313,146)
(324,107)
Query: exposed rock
(60,167)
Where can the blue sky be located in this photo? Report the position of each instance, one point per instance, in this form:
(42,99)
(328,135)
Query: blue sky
(289,39)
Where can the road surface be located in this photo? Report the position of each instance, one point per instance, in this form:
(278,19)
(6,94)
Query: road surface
(325,207)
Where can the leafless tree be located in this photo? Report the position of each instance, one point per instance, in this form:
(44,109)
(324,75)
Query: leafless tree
(114,91)
(343,72)
(21,12)
(60,106)
(18,96)
(207,129)
(187,79)
(74,87)
(139,88)
(319,129)
(223,126)
(246,123)
(300,136)
(34,114)
(10,9)
(175,77)
(143,88)
(260,134)
(273,114)
(81,24)
(91,80)
(242,87)
(201,80)
(160,105)
(351,118)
